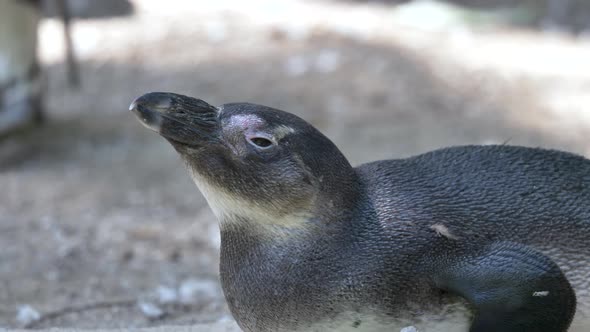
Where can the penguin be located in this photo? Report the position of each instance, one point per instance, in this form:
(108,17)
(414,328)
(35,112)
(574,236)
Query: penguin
(471,238)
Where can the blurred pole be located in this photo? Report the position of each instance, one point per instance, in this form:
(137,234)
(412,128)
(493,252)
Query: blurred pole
(72,64)
(21,88)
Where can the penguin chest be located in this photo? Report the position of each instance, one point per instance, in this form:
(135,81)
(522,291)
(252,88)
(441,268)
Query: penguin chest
(454,318)
(296,313)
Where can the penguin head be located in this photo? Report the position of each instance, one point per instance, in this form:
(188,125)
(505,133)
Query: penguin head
(252,162)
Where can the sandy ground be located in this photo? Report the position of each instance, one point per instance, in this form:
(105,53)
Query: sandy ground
(212,327)
(101,226)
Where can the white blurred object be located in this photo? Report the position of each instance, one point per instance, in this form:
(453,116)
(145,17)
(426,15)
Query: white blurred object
(296,65)
(297,32)
(214,236)
(150,310)
(193,290)
(166,294)
(216,31)
(409,329)
(328,60)
(26,315)
(430,15)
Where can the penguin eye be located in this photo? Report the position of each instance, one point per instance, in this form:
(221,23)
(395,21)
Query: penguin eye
(260,142)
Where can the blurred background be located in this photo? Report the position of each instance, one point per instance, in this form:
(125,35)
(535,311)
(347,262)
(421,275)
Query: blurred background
(100,226)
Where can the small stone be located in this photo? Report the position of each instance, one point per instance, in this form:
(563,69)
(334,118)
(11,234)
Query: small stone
(327,61)
(150,310)
(26,315)
(409,329)
(296,65)
(166,294)
(192,291)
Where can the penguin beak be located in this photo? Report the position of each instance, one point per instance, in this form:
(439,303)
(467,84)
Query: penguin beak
(178,118)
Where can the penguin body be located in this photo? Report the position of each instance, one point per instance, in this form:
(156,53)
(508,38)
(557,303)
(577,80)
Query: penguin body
(473,238)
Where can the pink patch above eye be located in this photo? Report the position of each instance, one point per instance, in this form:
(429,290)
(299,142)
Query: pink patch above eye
(246,121)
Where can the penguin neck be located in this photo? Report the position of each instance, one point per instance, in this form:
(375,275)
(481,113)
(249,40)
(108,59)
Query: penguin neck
(253,266)
(248,247)
(249,229)
(327,214)
(334,202)
(262,263)
(330,222)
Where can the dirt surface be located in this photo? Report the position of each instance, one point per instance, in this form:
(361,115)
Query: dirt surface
(101,226)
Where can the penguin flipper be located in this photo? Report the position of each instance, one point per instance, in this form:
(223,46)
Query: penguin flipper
(513,288)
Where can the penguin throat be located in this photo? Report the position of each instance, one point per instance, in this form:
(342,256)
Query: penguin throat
(231,210)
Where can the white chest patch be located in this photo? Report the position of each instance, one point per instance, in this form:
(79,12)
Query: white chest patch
(224,205)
